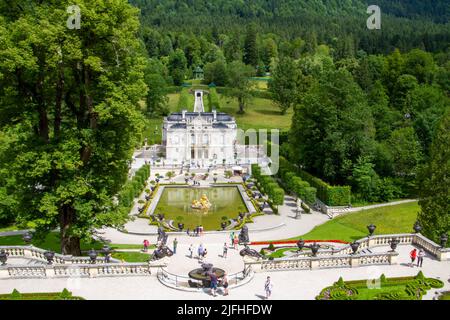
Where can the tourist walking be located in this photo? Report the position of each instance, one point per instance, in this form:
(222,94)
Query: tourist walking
(268,286)
(232,238)
(175,244)
(420,257)
(205,252)
(146,245)
(213,285)
(108,257)
(200,252)
(225,284)
(413,256)
(225,250)
(236,242)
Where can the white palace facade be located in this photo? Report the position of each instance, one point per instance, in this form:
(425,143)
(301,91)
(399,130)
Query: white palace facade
(199,138)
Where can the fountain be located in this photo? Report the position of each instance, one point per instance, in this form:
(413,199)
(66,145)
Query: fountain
(203,274)
(202,204)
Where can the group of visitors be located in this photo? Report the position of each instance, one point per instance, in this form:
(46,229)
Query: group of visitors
(201,252)
(198,231)
(234,240)
(419,255)
(215,283)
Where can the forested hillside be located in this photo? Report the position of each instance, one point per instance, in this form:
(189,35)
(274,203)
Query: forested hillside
(405,24)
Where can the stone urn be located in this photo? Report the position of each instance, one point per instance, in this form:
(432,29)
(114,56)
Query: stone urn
(315,249)
(394,243)
(300,244)
(49,255)
(3,257)
(92,255)
(444,239)
(27,237)
(355,246)
(417,227)
(371,229)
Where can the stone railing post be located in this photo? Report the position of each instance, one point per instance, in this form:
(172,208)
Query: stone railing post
(4,273)
(393,258)
(354,261)
(93,271)
(50,271)
(314,264)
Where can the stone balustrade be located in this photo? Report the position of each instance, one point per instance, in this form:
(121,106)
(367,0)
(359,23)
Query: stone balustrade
(324,262)
(82,270)
(34,253)
(384,240)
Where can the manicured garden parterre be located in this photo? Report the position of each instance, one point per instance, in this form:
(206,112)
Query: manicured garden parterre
(405,288)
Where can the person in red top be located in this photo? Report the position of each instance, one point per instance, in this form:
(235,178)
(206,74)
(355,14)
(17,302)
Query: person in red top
(146,245)
(413,256)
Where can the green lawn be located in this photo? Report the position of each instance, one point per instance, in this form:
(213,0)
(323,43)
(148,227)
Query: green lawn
(259,114)
(353,226)
(131,256)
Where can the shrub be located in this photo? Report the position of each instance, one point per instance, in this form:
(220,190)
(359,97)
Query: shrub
(65,294)
(310,195)
(271,247)
(15,295)
(278,196)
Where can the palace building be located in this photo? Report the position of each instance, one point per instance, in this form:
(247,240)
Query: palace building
(199,138)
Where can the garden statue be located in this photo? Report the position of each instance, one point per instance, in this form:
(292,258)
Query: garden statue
(243,236)
(202,204)
(250,252)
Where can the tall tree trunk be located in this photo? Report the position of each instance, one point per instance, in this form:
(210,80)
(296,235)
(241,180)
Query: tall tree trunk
(58,102)
(241,105)
(69,244)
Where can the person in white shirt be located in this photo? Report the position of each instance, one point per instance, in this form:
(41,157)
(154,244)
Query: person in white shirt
(420,257)
(268,286)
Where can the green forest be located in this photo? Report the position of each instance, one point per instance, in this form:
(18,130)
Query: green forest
(368,109)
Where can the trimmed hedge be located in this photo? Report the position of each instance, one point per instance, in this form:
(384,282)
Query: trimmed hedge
(134,187)
(330,195)
(213,100)
(296,185)
(16,295)
(183,102)
(268,186)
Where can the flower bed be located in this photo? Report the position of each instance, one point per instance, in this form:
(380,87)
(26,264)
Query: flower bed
(259,243)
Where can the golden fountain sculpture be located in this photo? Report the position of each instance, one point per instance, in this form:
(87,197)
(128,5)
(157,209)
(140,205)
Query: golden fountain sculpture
(202,204)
